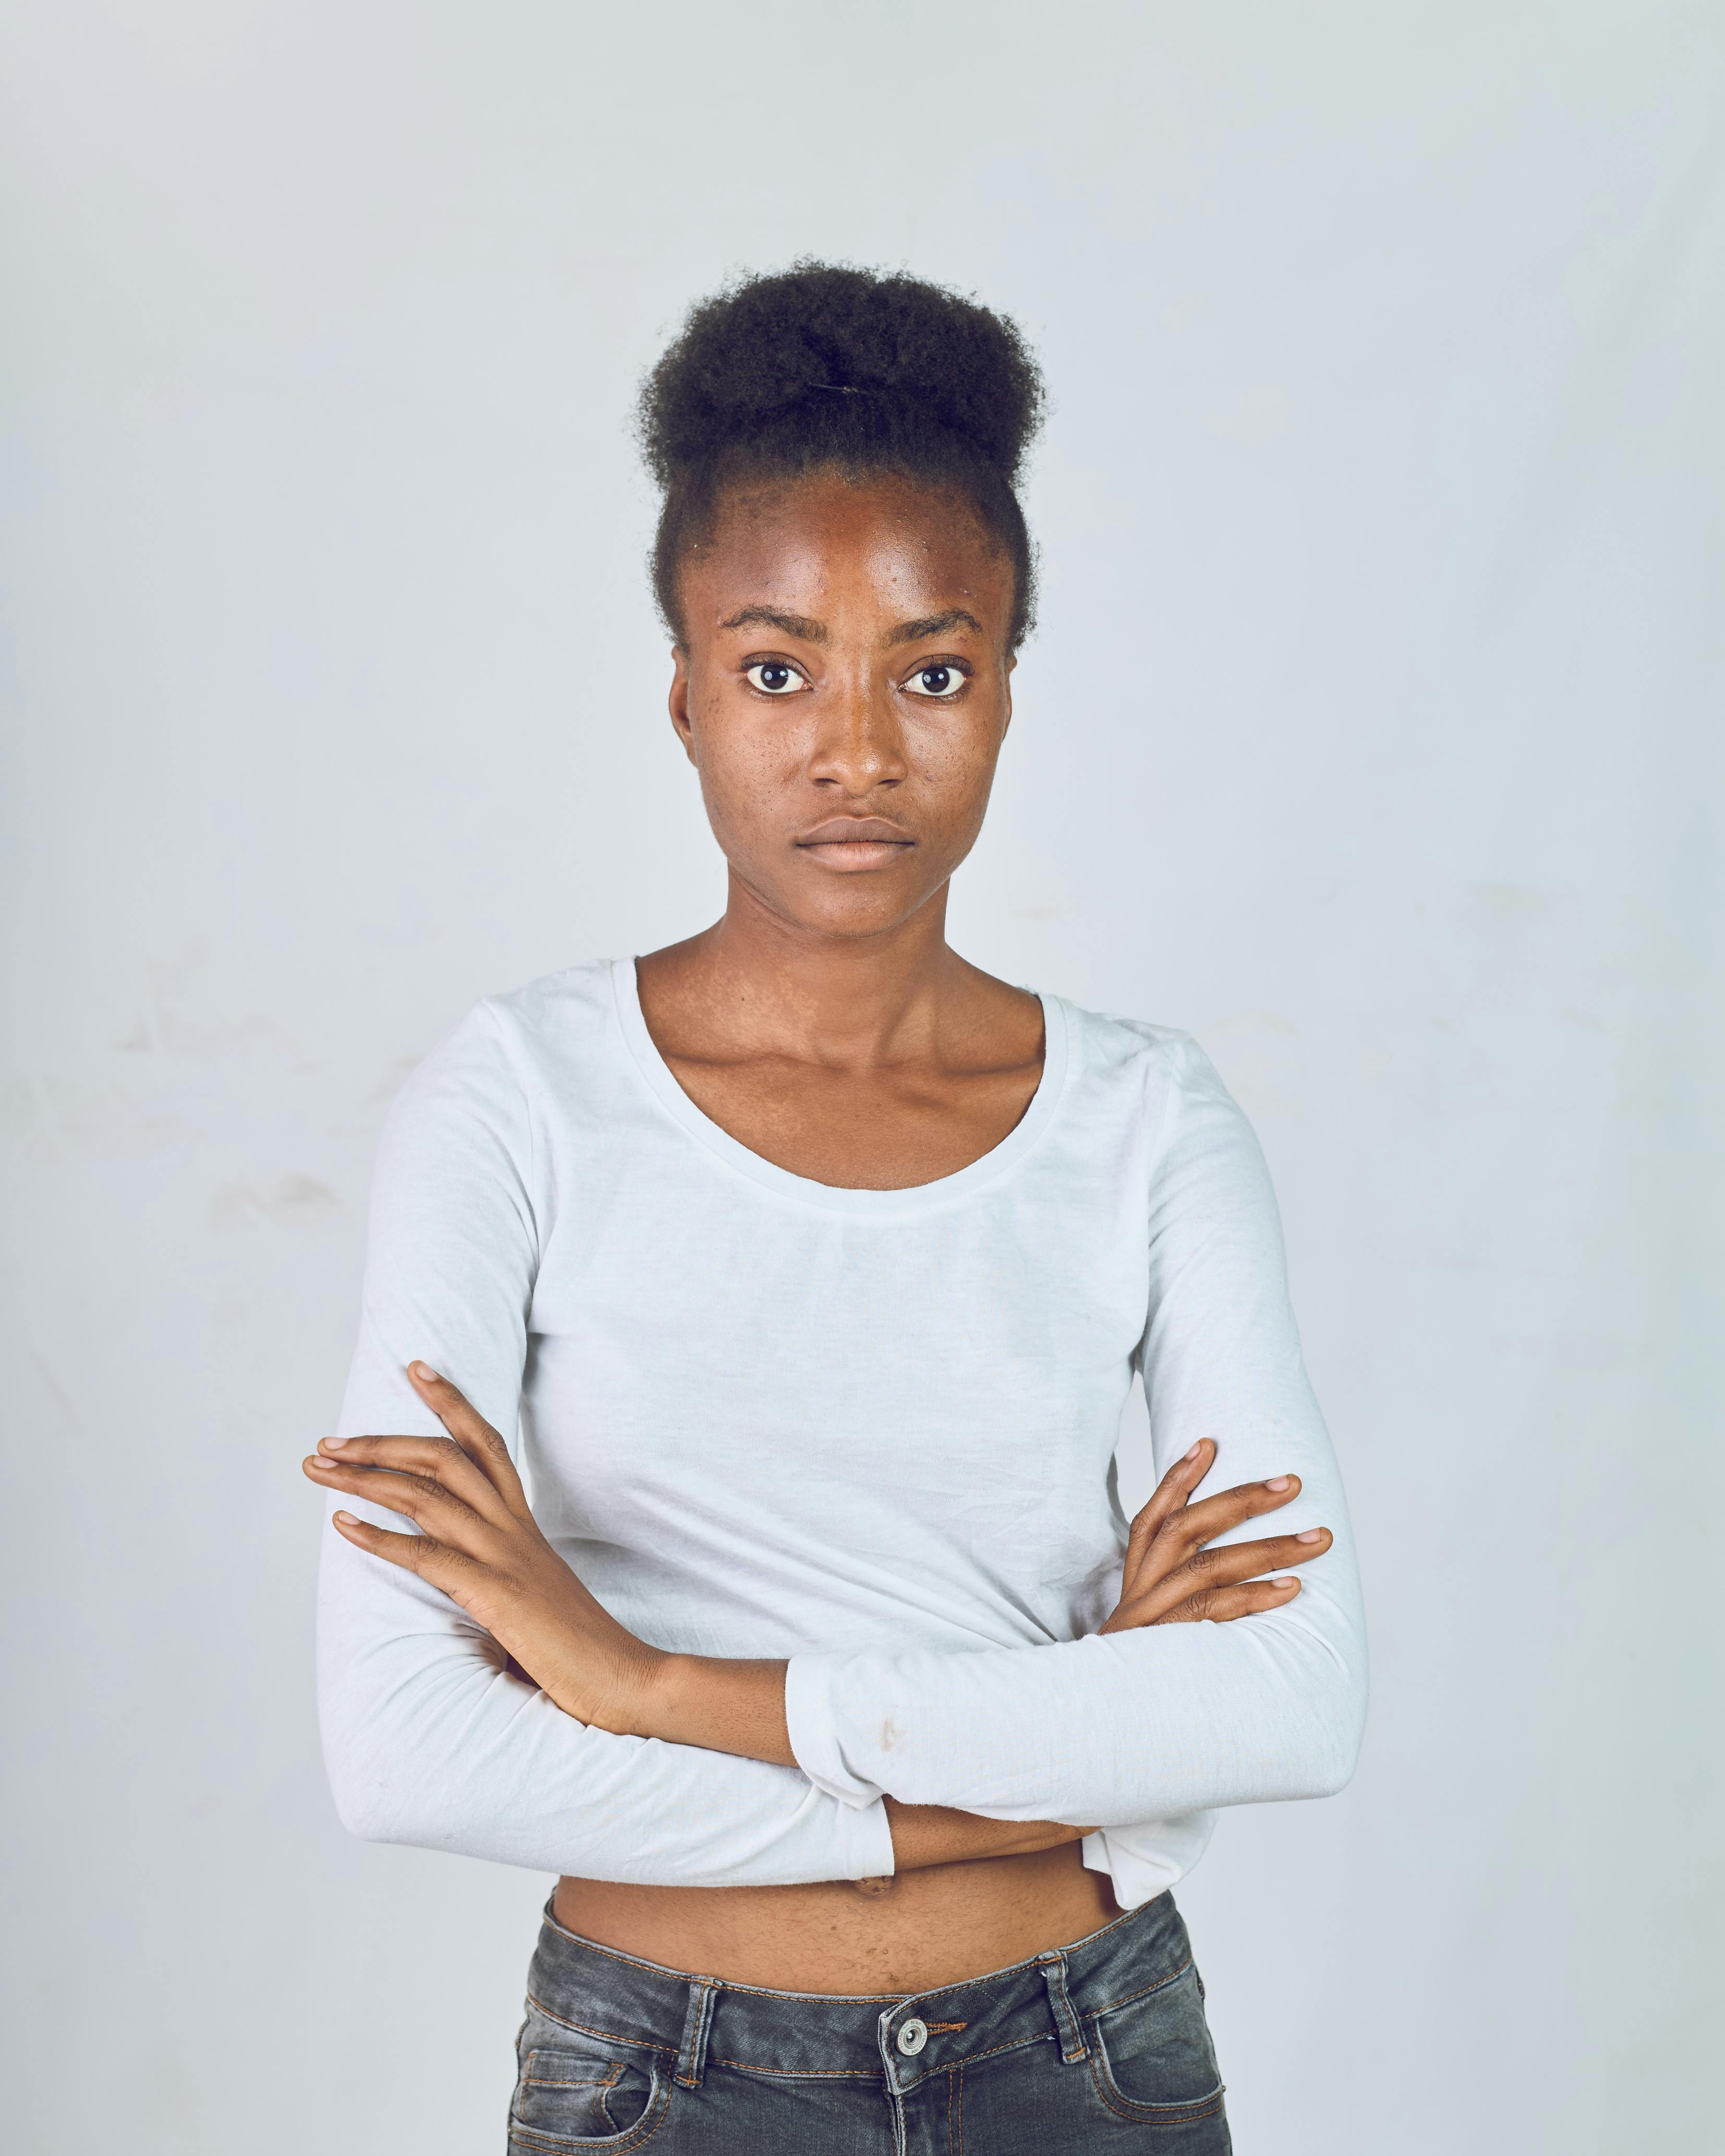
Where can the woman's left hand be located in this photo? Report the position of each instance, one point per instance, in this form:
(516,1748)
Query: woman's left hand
(480,1544)
(1172,1576)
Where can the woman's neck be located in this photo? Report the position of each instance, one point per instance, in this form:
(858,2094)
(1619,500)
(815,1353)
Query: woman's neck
(754,984)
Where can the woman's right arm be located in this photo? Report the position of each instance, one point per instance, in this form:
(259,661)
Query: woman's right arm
(430,1738)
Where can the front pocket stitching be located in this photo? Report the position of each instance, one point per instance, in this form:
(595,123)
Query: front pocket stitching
(1162,1983)
(539,2081)
(619,2143)
(1153,2114)
(609,2035)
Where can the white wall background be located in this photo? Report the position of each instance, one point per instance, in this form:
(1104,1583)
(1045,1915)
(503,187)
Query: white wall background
(1372,732)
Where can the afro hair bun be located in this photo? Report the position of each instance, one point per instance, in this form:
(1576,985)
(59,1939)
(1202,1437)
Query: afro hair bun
(808,341)
(821,366)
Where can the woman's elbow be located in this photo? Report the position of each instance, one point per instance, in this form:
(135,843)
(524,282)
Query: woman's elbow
(382,1791)
(1329,1768)
(1335,1728)
(366,1805)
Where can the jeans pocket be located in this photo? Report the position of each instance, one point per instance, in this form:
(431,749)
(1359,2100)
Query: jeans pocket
(1152,2059)
(571,2096)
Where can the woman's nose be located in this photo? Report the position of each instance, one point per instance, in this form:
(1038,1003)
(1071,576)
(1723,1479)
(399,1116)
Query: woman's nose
(860,744)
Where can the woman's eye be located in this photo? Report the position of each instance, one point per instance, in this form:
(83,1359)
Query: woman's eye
(937,681)
(773,677)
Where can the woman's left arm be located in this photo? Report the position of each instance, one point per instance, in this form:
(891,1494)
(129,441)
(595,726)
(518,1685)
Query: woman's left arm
(1166,1719)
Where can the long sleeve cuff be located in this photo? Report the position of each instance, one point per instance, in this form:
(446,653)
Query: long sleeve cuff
(1143,1862)
(865,1838)
(813,1732)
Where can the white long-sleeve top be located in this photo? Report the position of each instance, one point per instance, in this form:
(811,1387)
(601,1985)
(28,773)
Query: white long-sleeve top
(869,1431)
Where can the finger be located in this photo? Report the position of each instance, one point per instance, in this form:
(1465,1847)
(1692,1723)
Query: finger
(437,1566)
(1237,1561)
(438,1458)
(426,1504)
(1212,1569)
(1220,1605)
(1170,1497)
(471,1431)
(1210,1516)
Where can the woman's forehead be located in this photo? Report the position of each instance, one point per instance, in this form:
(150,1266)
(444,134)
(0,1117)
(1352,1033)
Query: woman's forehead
(824,546)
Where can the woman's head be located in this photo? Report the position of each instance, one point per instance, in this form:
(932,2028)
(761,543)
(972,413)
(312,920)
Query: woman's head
(845,569)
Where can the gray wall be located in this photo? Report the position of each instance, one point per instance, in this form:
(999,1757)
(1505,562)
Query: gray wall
(1372,733)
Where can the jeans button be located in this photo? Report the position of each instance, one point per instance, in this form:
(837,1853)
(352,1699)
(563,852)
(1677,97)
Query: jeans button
(912,2037)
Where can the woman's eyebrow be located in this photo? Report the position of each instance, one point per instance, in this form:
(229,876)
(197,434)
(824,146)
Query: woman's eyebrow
(793,624)
(934,624)
(816,632)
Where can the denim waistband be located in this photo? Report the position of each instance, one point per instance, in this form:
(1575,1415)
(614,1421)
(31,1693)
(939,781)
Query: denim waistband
(688,2021)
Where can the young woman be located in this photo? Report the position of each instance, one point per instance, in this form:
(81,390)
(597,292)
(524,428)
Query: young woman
(812,1267)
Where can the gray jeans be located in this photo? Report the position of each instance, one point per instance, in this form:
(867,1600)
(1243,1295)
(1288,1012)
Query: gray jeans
(1101,2046)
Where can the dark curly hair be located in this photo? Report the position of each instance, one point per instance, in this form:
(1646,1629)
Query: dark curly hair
(822,365)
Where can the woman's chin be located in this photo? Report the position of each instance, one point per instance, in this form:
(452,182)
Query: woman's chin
(847,902)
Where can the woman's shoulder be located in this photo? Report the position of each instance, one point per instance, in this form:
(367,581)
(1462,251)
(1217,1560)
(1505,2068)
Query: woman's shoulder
(1138,1053)
(550,1028)
(558,1014)
(1156,1085)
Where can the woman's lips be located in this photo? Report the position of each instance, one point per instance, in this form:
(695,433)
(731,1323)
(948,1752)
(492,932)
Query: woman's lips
(854,853)
(855,843)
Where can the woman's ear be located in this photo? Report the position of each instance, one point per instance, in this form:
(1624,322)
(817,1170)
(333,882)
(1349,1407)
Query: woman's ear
(679,700)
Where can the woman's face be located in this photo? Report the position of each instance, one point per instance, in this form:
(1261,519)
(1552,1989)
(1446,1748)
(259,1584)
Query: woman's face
(843,689)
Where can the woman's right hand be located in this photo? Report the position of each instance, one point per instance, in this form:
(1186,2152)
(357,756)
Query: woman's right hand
(1172,1576)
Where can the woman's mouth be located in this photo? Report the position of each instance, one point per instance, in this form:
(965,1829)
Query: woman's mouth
(855,842)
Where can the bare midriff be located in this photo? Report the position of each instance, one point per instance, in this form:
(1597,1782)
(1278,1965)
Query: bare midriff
(922,1928)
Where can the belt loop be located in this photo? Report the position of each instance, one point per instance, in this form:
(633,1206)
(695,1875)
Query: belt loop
(691,2058)
(1074,2047)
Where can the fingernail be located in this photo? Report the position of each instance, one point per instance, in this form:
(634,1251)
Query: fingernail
(425,1373)
(331,1444)
(1278,1482)
(1196,1449)
(1310,1534)
(344,1519)
(1294,1584)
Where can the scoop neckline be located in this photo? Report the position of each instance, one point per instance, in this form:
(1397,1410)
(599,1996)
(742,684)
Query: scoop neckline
(842,1198)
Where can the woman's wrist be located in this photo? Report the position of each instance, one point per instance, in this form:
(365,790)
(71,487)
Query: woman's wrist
(718,1705)
(925,1835)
